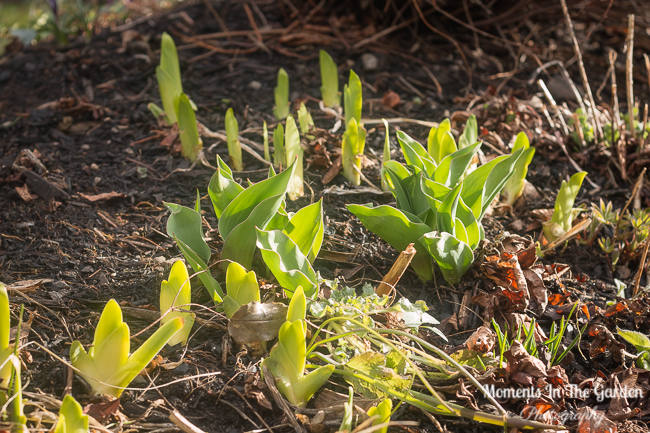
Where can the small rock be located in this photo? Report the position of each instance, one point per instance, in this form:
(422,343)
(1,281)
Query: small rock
(59,285)
(159,259)
(255,85)
(96,181)
(129,151)
(85,147)
(94,166)
(181,369)
(370,62)
(87,269)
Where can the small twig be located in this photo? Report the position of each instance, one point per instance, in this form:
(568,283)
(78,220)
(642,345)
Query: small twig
(393,276)
(598,132)
(616,114)
(637,185)
(434,79)
(242,414)
(629,71)
(182,423)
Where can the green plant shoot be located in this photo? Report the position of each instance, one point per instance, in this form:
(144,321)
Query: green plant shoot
(241,288)
(329,77)
(385,155)
(176,293)
(6,350)
(294,151)
(288,357)
(191,143)
(470,133)
(382,412)
(107,367)
(234,146)
(168,74)
(71,417)
(440,142)
(515,186)
(278,146)
(352,147)
(306,122)
(353,99)
(562,218)
(265,136)
(641,343)
(282,107)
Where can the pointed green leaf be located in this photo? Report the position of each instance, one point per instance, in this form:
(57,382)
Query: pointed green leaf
(234,146)
(177,292)
(71,417)
(278,146)
(297,306)
(452,256)
(241,287)
(515,186)
(640,341)
(289,266)
(222,189)
(329,76)
(353,99)
(562,218)
(398,230)
(188,130)
(282,108)
(186,224)
(470,134)
(169,60)
(306,229)
(202,269)
(169,94)
(415,154)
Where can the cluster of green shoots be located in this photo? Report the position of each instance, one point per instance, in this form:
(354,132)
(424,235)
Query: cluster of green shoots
(440,201)
(552,345)
(583,132)
(619,234)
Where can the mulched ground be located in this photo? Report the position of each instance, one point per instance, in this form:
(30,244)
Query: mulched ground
(92,226)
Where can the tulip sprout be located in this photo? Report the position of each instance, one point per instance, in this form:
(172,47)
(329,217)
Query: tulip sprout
(293,151)
(191,143)
(515,186)
(71,417)
(265,137)
(282,108)
(329,77)
(288,357)
(234,146)
(306,122)
(175,293)
(562,219)
(107,367)
(241,287)
(278,146)
(354,138)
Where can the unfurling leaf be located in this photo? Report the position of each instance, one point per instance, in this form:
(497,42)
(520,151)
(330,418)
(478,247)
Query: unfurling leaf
(562,218)
(234,146)
(329,77)
(515,186)
(176,293)
(241,288)
(107,366)
(282,108)
(71,417)
(191,143)
(453,257)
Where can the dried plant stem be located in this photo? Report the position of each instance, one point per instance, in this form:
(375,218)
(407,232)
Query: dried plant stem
(637,277)
(616,115)
(629,70)
(182,423)
(645,124)
(396,271)
(598,132)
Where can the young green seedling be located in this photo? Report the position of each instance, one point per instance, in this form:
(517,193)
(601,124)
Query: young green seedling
(176,293)
(515,186)
(278,146)
(641,343)
(470,133)
(107,367)
(71,417)
(563,215)
(352,147)
(234,146)
(265,137)
(293,152)
(382,412)
(168,74)
(191,143)
(288,357)
(282,107)
(440,142)
(385,155)
(6,350)
(306,122)
(241,287)
(353,99)
(329,77)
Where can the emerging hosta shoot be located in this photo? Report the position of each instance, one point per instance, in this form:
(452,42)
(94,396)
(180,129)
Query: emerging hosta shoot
(191,143)
(382,412)
(329,77)
(107,367)
(515,186)
(306,122)
(176,293)
(241,288)
(288,357)
(234,147)
(437,199)
(71,417)
(562,219)
(282,107)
